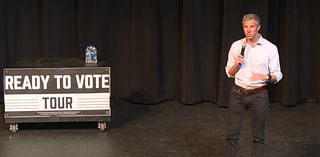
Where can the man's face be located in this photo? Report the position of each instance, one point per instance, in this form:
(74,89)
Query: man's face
(250,29)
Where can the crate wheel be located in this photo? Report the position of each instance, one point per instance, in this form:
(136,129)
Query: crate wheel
(13,128)
(102,126)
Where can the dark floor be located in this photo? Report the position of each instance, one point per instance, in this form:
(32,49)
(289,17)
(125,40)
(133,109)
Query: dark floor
(166,130)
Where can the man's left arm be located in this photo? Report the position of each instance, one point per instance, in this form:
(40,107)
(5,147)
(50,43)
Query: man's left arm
(275,74)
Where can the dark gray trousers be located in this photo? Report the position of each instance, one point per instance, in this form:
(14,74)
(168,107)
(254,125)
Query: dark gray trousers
(256,105)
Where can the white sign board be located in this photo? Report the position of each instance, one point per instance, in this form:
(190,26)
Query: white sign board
(57,91)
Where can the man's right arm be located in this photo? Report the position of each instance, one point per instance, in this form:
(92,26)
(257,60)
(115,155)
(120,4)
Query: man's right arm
(234,69)
(234,62)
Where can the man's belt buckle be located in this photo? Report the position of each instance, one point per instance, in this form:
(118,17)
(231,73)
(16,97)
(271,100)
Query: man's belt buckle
(246,91)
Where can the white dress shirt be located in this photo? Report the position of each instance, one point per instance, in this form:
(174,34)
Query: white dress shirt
(262,58)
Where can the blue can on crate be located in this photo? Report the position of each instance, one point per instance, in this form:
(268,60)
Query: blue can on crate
(91,54)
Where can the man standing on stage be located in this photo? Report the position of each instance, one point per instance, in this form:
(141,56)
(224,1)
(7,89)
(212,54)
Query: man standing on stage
(253,62)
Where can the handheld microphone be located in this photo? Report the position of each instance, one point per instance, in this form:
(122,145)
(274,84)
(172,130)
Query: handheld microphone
(242,49)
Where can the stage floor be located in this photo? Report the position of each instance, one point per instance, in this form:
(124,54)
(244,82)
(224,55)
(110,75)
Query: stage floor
(169,129)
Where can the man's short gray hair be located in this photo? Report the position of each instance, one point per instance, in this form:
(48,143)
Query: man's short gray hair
(251,16)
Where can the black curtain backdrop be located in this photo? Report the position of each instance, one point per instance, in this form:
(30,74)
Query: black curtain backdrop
(166,49)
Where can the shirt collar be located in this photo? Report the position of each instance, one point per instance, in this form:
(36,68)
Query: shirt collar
(260,41)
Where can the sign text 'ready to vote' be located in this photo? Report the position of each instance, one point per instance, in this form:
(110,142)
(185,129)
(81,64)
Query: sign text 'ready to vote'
(36,82)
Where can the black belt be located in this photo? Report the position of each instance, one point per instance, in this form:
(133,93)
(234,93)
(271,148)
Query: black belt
(262,89)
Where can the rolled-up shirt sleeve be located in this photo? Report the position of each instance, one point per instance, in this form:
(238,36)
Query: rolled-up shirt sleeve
(231,60)
(274,64)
